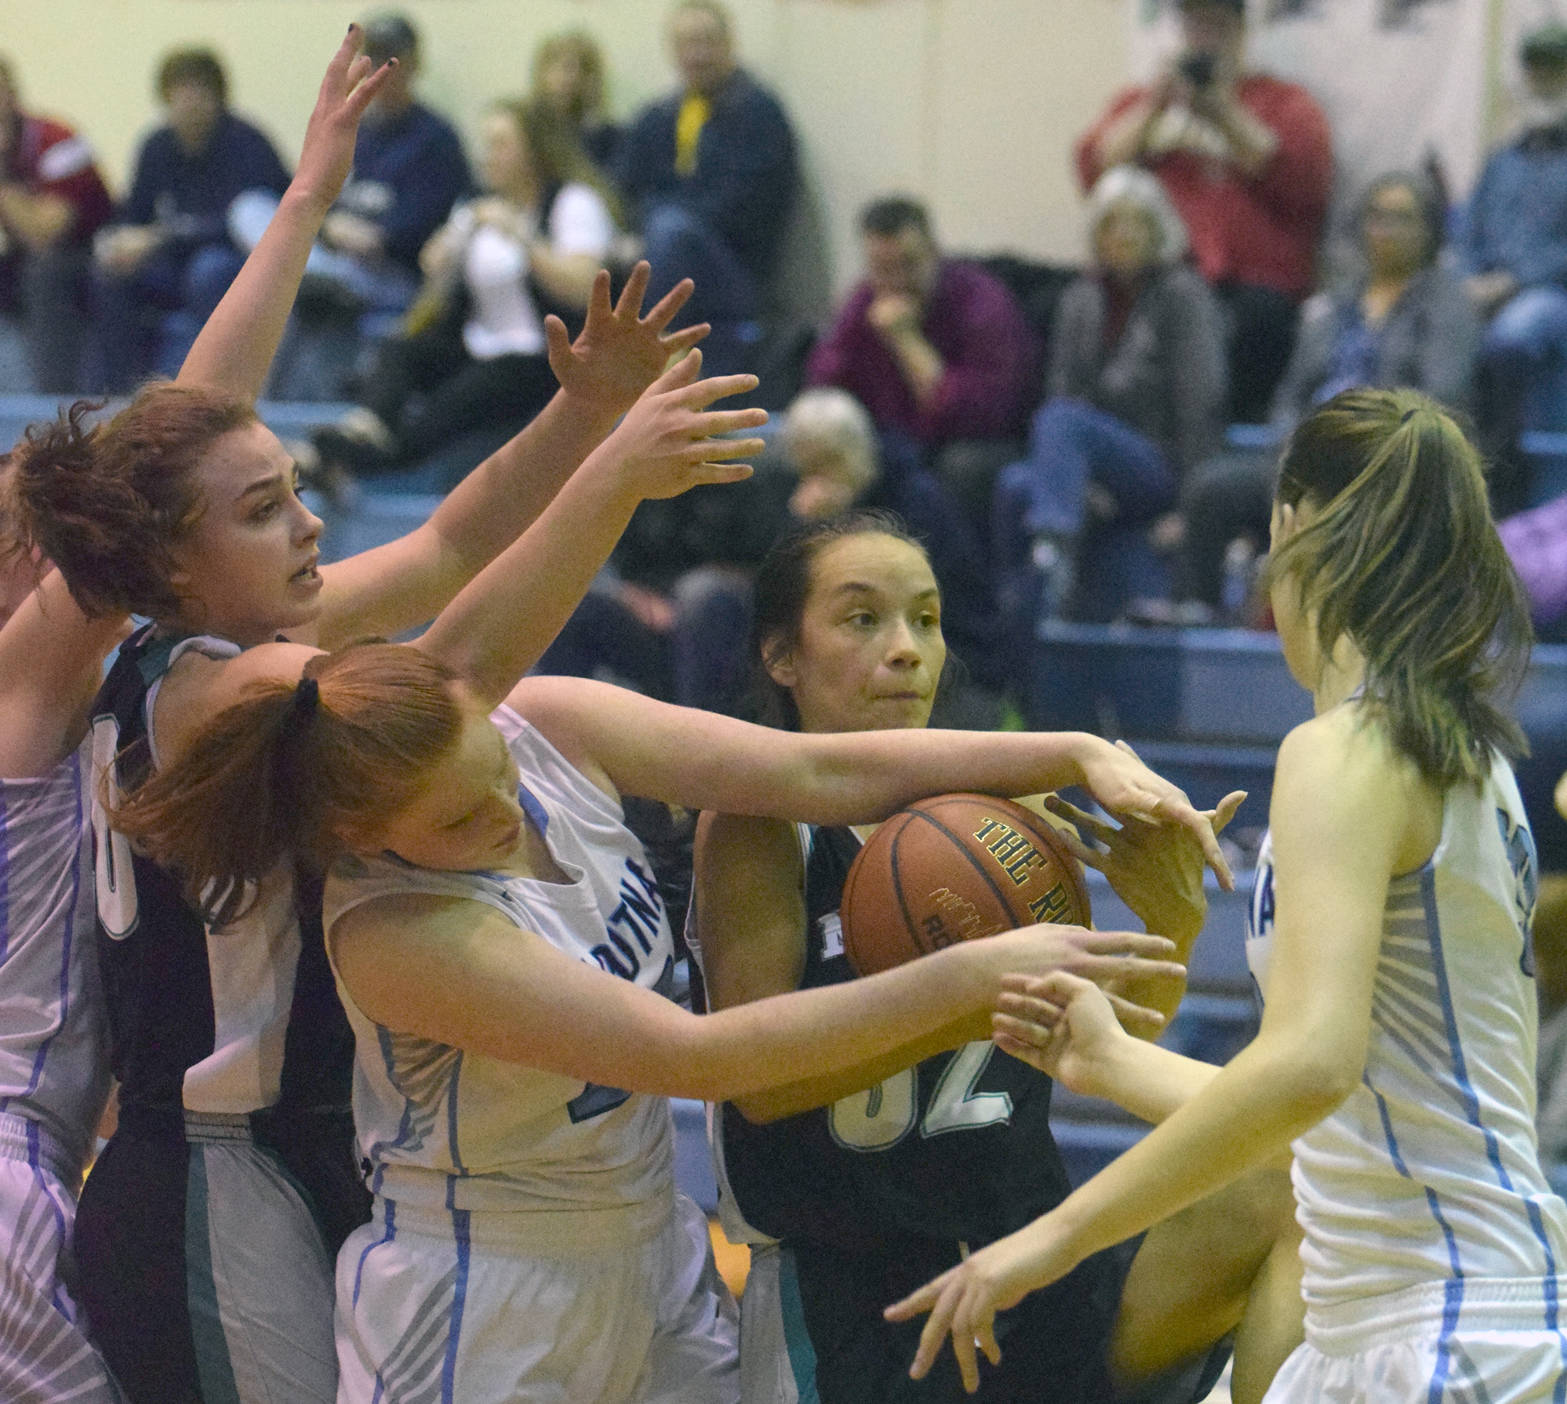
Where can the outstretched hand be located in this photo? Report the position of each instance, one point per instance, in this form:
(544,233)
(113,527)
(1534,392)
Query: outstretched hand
(1122,784)
(346,91)
(964,1300)
(671,441)
(1156,869)
(619,352)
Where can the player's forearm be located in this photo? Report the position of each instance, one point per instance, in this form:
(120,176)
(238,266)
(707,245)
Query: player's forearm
(813,1037)
(235,348)
(856,777)
(1150,1082)
(505,494)
(1247,1115)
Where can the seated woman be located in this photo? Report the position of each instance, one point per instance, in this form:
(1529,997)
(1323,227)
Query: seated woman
(568,76)
(1403,320)
(1136,390)
(474,355)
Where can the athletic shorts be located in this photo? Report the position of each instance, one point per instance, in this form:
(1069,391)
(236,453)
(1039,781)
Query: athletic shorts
(203,1267)
(1489,1342)
(452,1307)
(45,1356)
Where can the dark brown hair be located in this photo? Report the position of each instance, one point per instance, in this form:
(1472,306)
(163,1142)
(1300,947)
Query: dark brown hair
(1404,560)
(295,769)
(783,584)
(194,65)
(590,60)
(106,503)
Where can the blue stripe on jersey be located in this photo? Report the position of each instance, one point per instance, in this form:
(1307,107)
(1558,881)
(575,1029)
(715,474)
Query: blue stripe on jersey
(538,816)
(67,935)
(1451,1306)
(5,877)
(35,1164)
(385,1238)
(459,1297)
(451,1114)
(1460,1068)
(383,1037)
(1387,1128)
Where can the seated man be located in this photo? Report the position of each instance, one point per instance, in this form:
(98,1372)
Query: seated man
(409,170)
(710,174)
(167,259)
(52,201)
(936,349)
(1514,249)
(1247,161)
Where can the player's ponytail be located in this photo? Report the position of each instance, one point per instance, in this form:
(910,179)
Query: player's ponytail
(294,771)
(1404,560)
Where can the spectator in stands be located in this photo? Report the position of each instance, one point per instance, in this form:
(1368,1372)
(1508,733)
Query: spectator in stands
(1515,250)
(1135,398)
(1403,320)
(1247,160)
(409,170)
(475,354)
(840,464)
(935,348)
(710,171)
(167,259)
(568,75)
(52,201)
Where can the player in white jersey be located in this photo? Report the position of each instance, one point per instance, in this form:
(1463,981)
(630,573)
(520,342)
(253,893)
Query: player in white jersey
(1391,941)
(500,945)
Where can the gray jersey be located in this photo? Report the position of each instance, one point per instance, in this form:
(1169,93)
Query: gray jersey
(53,1055)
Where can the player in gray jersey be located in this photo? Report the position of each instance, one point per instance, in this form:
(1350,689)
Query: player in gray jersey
(1390,935)
(54,1067)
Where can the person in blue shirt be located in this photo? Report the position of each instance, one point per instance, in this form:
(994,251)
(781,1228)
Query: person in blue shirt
(711,172)
(166,260)
(1514,248)
(409,170)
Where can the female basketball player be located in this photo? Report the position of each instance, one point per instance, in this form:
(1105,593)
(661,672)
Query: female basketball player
(1390,934)
(54,1071)
(498,938)
(876,1178)
(205,1230)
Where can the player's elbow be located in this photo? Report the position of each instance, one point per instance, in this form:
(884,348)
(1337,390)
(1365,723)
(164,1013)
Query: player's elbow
(1319,1079)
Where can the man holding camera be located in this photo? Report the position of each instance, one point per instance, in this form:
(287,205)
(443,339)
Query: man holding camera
(1247,160)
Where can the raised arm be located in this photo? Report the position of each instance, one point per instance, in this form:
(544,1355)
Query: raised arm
(51,660)
(235,348)
(618,355)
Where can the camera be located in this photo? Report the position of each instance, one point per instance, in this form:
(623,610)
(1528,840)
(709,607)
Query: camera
(1197,68)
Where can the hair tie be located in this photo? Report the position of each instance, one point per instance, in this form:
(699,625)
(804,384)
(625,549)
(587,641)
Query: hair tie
(307,697)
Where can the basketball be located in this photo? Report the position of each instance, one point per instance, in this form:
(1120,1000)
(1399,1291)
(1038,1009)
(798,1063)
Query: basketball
(955,868)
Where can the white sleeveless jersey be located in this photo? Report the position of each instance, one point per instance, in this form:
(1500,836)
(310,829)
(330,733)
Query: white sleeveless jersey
(446,1129)
(54,1066)
(1429,1172)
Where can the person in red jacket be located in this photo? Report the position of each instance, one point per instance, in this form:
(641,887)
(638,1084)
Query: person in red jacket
(1247,160)
(52,200)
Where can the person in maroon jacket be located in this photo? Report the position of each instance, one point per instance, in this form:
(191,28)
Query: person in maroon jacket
(52,200)
(936,349)
(1247,160)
